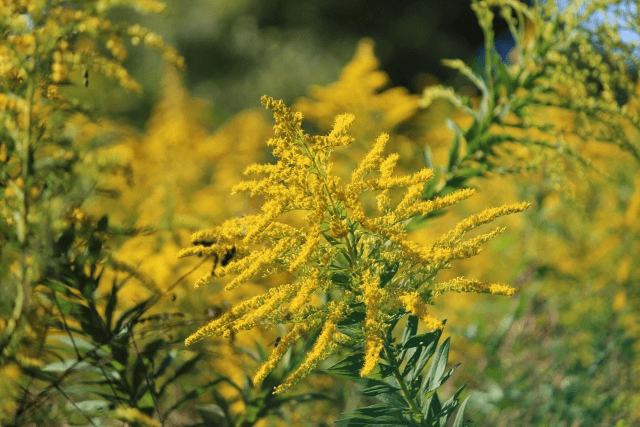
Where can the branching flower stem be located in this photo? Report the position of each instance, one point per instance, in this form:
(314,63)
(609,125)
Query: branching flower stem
(334,210)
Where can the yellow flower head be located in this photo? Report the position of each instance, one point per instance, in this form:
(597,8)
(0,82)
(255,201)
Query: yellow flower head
(366,264)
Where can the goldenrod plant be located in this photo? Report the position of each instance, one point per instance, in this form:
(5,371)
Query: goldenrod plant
(559,70)
(52,252)
(348,267)
(47,46)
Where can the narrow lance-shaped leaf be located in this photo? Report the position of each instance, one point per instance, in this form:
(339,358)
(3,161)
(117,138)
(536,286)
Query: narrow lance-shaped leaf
(438,365)
(459,420)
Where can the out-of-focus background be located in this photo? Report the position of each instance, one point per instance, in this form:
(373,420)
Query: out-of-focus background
(237,51)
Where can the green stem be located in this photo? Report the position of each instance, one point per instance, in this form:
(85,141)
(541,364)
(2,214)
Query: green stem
(400,379)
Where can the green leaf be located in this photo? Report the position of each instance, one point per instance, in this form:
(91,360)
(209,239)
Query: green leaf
(505,78)
(413,355)
(212,415)
(186,367)
(103,223)
(431,186)
(112,301)
(140,374)
(427,157)
(438,366)
(375,415)
(442,379)
(92,324)
(62,246)
(194,394)
(381,421)
(416,364)
(450,405)
(94,246)
(431,409)
(386,393)
(92,405)
(261,351)
(146,403)
(152,348)
(119,346)
(389,273)
(454,151)
(423,340)
(379,387)
(354,331)
(351,325)
(410,330)
(163,366)
(459,420)
(357,316)
(79,343)
(341,280)
(133,313)
(349,367)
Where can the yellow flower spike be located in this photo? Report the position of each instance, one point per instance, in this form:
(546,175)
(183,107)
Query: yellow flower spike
(324,341)
(338,227)
(371,160)
(373,328)
(388,165)
(271,209)
(260,259)
(308,286)
(372,349)
(246,314)
(414,303)
(216,326)
(136,416)
(362,90)
(409,199)
(259,315)
(204,280)
(483,217)
(426,207)
(337,137)
(307,248)
(285,342)
(462,284)
(421,177)
(442,255)
(383,202)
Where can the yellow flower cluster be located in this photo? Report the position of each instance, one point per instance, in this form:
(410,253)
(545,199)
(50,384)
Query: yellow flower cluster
(362,91)
(342,251)
(54,36)
(373,297)
(44,43)
(135,416)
